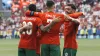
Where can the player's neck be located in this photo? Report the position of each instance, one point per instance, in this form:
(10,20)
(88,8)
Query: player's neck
(71,12)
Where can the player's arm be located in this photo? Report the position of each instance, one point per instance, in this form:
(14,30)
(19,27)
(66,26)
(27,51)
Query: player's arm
(21,30)
(76,14)
(25,28)
(67,17)
(49,26)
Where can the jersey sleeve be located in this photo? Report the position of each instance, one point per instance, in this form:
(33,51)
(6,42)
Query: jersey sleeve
(61,17)
(76,15)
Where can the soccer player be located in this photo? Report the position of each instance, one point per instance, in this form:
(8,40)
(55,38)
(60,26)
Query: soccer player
(30,25)
(70,31)
(50,40)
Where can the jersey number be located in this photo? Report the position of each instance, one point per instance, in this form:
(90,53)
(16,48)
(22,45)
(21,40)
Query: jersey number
(29,32)
(66,54)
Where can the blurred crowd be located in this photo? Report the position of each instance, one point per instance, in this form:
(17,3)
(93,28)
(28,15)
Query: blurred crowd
(90,22)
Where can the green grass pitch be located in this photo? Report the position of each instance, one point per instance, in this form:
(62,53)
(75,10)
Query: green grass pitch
(87,47)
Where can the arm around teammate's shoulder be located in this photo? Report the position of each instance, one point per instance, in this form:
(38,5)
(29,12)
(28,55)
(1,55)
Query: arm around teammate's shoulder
(50,25)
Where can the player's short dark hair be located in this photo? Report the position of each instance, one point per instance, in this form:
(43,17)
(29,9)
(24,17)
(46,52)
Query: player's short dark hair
(50,4)
(32,7)
(72,6)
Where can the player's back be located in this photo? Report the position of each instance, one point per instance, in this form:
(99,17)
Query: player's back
(51,37)
(28,37)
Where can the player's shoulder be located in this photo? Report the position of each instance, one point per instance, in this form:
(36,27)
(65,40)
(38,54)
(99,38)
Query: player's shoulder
(59,14)
(37,18)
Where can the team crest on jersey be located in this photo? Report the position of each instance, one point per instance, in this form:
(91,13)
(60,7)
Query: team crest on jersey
(49,20)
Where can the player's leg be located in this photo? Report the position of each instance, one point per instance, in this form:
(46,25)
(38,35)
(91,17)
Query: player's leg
(55,50)
(30,52)
(21,52)
(45,50)
(66,52)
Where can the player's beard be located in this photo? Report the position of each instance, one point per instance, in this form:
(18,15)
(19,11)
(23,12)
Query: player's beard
(67,12)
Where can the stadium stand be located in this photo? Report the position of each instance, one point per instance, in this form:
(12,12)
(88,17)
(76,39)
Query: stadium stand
(91,19)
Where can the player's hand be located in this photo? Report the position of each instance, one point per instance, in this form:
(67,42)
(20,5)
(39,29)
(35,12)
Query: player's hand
(55,20)
(67,17)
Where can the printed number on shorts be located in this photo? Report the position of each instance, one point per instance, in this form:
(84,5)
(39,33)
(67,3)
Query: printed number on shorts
(49,20)
(66,54)
(29,32)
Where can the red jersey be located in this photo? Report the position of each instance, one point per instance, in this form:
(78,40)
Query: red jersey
(38,45)
(70,32)
(51,37)
(38,41)
(28,38)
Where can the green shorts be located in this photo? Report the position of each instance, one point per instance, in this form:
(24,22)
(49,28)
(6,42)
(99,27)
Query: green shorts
(26,52)
(69,52)
(50,50)
(37,54)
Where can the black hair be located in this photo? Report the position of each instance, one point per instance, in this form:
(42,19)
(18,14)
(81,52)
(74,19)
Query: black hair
(50,4)
(72,6)
(32,7)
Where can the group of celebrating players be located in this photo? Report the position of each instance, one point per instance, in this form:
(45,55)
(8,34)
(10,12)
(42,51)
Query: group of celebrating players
(40,31)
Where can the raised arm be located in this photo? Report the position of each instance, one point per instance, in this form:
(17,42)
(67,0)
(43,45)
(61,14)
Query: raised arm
(74,17)
(67,17)
(23,28)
